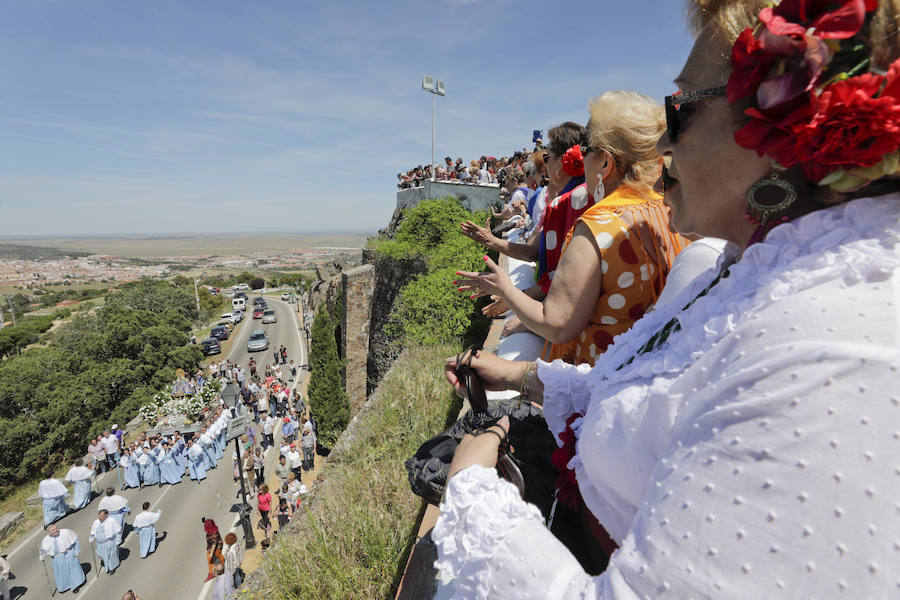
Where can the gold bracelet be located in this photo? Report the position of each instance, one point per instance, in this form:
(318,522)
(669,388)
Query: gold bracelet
(526,382)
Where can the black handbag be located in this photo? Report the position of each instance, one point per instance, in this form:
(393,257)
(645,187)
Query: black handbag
(524,458)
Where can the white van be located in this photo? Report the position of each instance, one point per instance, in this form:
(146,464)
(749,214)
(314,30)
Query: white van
(239,303)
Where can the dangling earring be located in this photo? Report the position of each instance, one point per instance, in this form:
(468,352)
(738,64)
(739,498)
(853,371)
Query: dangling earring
(769,198)
(600,190)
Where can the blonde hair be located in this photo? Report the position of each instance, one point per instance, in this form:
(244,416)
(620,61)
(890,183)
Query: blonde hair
(628,125)
(728,18)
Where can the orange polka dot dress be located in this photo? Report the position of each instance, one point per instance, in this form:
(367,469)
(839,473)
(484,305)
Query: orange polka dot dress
(636,249)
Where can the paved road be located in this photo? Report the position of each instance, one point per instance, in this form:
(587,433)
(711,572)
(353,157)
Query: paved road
(178,568)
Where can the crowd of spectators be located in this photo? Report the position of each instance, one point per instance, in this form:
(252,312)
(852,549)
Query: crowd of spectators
(484,171)
(700,303)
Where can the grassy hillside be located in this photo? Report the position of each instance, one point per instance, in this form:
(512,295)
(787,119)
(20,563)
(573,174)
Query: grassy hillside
(351,539)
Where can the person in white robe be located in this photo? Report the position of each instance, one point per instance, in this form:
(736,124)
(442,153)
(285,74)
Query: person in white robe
(105,530)
(62,546)
(53,493)
(117,507)
(196,461)
(80,477)
(144,524)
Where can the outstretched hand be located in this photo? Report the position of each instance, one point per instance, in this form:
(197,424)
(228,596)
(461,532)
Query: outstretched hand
(497,308)
(481,235)
(495,281)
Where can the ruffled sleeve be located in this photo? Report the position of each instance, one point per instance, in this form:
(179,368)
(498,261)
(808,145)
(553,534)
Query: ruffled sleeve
(566,391)
(492,544)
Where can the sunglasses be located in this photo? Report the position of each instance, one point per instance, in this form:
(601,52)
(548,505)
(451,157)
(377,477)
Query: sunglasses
(675,102)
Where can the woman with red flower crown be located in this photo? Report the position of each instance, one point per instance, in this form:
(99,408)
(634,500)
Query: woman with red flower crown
(739,441)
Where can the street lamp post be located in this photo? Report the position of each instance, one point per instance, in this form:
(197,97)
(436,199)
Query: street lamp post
(437,89)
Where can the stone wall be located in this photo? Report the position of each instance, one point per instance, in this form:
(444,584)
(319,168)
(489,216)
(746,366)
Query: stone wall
(357,288)
(391,275)
(473,197)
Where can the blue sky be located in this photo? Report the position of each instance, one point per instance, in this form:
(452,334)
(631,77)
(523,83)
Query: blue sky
(208,116)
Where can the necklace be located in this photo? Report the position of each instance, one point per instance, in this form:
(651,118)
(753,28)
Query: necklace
(674,325)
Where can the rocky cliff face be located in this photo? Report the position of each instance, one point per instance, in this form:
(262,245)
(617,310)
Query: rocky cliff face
(328,276)
(390,276)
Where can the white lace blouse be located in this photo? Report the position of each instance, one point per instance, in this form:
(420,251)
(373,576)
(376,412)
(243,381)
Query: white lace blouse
(755,454)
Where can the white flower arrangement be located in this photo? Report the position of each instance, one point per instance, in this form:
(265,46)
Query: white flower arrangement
(164,405)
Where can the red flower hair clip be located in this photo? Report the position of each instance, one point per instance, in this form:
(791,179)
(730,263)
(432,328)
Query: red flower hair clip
(816,103)
(573,162)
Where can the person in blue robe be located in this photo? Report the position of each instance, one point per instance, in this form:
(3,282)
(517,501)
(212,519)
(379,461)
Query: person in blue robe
(144,524)
(180,450)
(206,445)
(105,531)
(53,493)
(80,476)
(130,467)
(62,546)
(169,471)
(196,461)
(149,468)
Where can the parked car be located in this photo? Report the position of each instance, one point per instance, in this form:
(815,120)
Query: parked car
(238,315)
(210,346)
(226,324)
(229,316)
(258,313)
(258,341)
(220,332)
(240,295)
(269,317)
(238,303)
(286,296)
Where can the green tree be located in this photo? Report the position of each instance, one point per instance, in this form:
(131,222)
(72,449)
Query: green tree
(327,396)
(257,283)
(99,366)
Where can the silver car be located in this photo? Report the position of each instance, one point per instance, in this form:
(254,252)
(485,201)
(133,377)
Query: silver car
(269,317)
(258,341)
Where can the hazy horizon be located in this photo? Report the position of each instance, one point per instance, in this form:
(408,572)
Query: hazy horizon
(181,234)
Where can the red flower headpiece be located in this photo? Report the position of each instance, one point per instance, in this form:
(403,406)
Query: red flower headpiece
(817,105)
(573,162)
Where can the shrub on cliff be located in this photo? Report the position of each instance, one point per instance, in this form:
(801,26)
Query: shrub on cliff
(429,310)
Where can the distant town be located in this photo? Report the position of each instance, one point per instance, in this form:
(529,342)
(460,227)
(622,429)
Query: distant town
(96,268)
